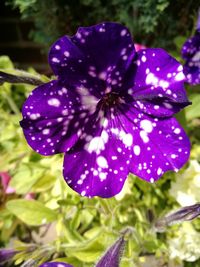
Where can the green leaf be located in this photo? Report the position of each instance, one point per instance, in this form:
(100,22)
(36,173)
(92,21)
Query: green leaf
(92,232)
(181,117)
(88,251)
(44,183)
(193,111)
(179,41)
(25,178)
(31,212)
(5,63)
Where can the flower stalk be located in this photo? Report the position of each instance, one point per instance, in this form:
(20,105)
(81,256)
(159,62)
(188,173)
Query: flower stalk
(11,78)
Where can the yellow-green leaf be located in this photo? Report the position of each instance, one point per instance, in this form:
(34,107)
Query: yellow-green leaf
(31,212)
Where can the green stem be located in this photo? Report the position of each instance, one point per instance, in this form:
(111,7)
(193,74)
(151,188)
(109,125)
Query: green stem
(105,205)
(10,78)
(12,104)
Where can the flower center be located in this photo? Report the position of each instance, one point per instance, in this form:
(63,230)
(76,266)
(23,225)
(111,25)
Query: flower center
(109,100)
(109,103)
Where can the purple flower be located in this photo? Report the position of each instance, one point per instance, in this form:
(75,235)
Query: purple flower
(187,213)
(110,110)
(6,255)
(191,53)
(112,257)
(55,264)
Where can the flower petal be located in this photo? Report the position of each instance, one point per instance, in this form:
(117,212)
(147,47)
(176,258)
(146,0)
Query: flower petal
(191,47)
(103,52)
(131,142)
(191,53)
(159,145)
(53,117)
(157,84)
(101,168)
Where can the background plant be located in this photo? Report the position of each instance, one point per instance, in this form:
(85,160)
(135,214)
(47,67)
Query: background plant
(154,23)
(55,222)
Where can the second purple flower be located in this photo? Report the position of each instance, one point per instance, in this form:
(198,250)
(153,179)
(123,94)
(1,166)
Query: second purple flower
(109,110)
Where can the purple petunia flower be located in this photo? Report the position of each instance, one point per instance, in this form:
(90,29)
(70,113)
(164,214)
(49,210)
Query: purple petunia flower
(110,110)
(6,255)
(191,53)
(187,213)
(55,264)
(113,255)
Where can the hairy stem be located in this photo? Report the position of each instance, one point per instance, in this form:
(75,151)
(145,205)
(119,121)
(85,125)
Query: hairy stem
(10,78)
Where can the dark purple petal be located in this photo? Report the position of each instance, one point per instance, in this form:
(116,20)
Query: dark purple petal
(102,52)
(54,115)
(113,255)
(191,53)
(155,81)
(55,264)
(131,142)
(159,145)
(191,47)
(100,166)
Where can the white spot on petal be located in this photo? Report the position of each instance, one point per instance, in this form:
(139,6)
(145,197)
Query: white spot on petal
(173,156)
(55,59)
(102,75)
(146,125)
(177,131)
(83,193)
(123,32)
(46,131)
(102,176)
(102,162)
(180,76)
(196,57)
(180,68)
(97,144)
(159,171)
(143,59)
(57,47)
(34,116)
(136,150)
(54,102)
(144,136)
(127,139)
(66,53)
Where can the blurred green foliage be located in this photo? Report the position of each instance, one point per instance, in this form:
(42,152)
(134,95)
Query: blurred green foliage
(154,23)
(58,223)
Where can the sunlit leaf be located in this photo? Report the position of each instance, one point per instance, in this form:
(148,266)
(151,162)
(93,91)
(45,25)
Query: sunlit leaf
(31,212)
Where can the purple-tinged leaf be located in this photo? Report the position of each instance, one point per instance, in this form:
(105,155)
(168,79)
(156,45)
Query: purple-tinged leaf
(113,255)
(6,255)
(187,213)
